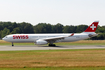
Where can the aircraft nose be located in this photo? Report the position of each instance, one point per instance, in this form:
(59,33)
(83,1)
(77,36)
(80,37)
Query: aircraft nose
(3,38)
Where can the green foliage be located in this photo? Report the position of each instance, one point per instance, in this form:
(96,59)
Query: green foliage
(26,28)
(69,29)
(0,34)
(81,28)
(5,32)
(48,28)
(16,28)
(99,37)
(43,28)
(58,28)
(1,27)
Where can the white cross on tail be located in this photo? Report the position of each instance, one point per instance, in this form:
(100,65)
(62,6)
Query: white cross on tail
(93,27)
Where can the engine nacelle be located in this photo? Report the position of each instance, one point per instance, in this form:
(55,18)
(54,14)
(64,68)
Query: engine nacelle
(41,42)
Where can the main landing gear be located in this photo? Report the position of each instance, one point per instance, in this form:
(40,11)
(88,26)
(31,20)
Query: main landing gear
(12,44)
(52,45)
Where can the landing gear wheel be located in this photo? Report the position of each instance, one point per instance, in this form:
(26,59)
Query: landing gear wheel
(52,45)
(12,44)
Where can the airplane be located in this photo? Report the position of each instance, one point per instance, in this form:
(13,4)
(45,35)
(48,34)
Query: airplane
(41,39)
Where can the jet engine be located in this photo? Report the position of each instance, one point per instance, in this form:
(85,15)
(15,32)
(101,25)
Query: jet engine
(41,42)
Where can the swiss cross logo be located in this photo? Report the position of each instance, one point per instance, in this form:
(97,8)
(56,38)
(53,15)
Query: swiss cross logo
(93,27)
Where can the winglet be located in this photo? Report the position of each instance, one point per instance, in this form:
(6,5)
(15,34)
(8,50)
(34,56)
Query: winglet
(71,35)
(92,27)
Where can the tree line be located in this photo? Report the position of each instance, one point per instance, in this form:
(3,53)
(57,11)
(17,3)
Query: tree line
(7,28)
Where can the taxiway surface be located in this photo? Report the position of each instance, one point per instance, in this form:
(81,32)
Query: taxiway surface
(10,48)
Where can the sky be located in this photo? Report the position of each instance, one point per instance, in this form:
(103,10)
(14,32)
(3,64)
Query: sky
(66,12)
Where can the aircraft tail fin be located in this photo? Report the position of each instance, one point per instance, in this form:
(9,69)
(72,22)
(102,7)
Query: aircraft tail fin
(92,27)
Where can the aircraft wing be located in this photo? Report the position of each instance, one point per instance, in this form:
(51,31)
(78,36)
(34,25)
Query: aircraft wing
(53,39)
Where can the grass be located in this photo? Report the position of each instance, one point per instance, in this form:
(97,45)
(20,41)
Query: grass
(53,59)
(57,68)
(9,43)
(81,42)
(84,42)
(69,59)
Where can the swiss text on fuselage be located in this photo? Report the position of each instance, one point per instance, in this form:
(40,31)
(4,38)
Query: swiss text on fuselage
(20,37)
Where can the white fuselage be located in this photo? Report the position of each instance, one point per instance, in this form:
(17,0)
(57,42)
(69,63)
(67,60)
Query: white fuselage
(41,39)
(33,37)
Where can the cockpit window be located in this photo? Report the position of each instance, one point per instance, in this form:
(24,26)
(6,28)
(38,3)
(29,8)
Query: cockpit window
(6,37)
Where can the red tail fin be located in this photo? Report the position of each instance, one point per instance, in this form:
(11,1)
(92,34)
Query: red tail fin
(92,27)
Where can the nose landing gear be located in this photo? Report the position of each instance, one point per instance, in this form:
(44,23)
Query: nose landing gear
(12,44)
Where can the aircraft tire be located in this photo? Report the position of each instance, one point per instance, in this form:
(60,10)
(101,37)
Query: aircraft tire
(52,45)
(12,44)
